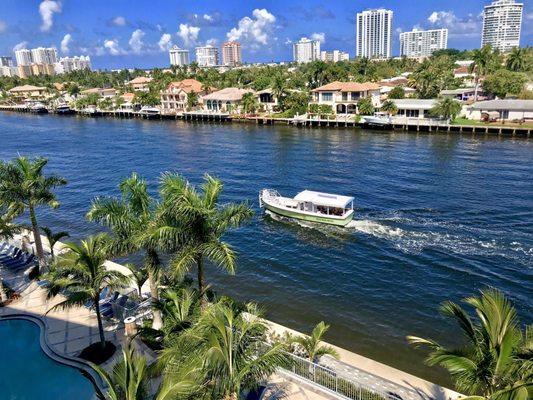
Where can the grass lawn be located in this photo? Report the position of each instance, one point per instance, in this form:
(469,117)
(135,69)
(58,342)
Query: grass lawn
(464,121)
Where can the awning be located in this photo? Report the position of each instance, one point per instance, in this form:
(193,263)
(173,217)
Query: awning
(324,199)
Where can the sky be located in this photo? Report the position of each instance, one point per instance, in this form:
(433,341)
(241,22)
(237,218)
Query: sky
(138,33)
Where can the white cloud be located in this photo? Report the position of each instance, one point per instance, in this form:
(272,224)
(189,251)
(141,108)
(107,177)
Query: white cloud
(67,39)
(165,43)
(119,21)
(208,17)
(255,31)
(469,26)
(136,41)
(20,46)
(288,41)
(320,36)
(47,9)
(189,34)
(113,47)
(212,42)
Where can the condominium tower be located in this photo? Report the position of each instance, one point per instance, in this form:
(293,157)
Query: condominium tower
(306,50)
(417,43)
(6,61)
(23,57)
(231,53)
(178,57)
(43,55)
(334,56)
(502,21)
(207,56)
(373,37)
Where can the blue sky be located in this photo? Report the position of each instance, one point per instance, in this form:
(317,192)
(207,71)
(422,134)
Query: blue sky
(136,33)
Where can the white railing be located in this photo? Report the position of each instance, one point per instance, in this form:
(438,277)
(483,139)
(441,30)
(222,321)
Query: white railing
(324,377)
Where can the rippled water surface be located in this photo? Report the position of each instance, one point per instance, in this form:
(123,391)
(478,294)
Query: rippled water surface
(438,216)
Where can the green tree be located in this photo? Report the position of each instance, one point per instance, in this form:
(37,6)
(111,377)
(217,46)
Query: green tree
(53,238)
(432,76)
(496,361)
(80,275)
(150,98)
(484,60)
(139,274)
(23,186)
(313,346)
(198,222)
(519,60)
(231,344)
(397,92)
(249,103)
(179,308)
(447,108)
(365,106)
(389,107)
(279,86)
(192,99)
(295,103)
(7,230)
(504,82)
(128,218)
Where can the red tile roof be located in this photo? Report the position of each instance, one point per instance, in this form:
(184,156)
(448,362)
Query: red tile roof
(348,87)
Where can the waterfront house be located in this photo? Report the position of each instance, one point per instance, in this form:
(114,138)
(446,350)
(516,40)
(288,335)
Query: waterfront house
(464,94)
(414,108)
(502,110)
(386,85)
(28,91)
(343,96)
(174,97)
(102,92)
(140,84)
(225,100)
(267,101)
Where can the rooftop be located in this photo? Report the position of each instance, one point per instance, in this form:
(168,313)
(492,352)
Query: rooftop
(228,94)
(324,199)
(458,91)
(496,105)
(140,80)
(348,87)
(424,104)
(26,88)
(187,85)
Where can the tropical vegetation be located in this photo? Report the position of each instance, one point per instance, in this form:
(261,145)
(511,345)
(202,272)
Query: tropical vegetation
(25,187)
(312,345)
(447,108)
(495,359)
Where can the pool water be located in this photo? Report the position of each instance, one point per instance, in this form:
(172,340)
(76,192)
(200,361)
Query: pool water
(27,373)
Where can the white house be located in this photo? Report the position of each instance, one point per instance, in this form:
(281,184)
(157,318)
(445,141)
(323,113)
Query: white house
(503,110)
(174,96)
(140,84)
(225,100)
(343,96)
(414,108)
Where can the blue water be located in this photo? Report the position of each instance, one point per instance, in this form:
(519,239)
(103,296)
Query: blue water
(438,216)
(26,373)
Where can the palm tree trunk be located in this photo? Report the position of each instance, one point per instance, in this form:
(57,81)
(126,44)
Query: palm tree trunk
(99,319)
(37,239)
(3,295)
(201,284)
(153,261)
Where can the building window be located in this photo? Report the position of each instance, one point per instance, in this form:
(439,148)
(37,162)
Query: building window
(327,96)
(356,95)
(344,96)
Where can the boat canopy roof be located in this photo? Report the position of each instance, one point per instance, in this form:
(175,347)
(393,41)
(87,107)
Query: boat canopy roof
(324,199)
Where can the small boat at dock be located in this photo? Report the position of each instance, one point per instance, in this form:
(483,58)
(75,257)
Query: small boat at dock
(91,111)
(64,109)
(149,112)
(37,108)
(309,206)
(378,119)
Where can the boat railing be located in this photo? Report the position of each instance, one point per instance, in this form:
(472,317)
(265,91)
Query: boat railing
(270,194)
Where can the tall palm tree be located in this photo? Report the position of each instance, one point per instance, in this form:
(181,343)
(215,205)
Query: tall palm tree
(7,230)
(231,345)
(496,362)
(81,275)
(390,107)
(517,60)
(199,222)
(53,238)
(447,108)
(128,218)
(139,274)
(249,103)
(23,186)
(279,86)
(313,346)
(482,59)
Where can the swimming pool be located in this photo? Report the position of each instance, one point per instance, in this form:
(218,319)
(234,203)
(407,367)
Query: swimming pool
(27,373)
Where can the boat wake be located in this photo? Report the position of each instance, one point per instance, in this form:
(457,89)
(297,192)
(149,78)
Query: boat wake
(415,234)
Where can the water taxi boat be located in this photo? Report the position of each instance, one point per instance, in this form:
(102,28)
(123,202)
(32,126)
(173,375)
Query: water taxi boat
(309,206)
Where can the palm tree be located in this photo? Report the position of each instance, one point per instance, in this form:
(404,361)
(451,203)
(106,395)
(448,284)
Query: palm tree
(249,102)
(7,230)
(517,60)
(365,106)
(178,308)
(139,274)
(313,346)
(198,222)
(128,218)
(80,274)
(129,377)
(389,107)
(23,186)
(231,345)
(53,238)
(482,59)
(496,361)
(447,108)
(279,87)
